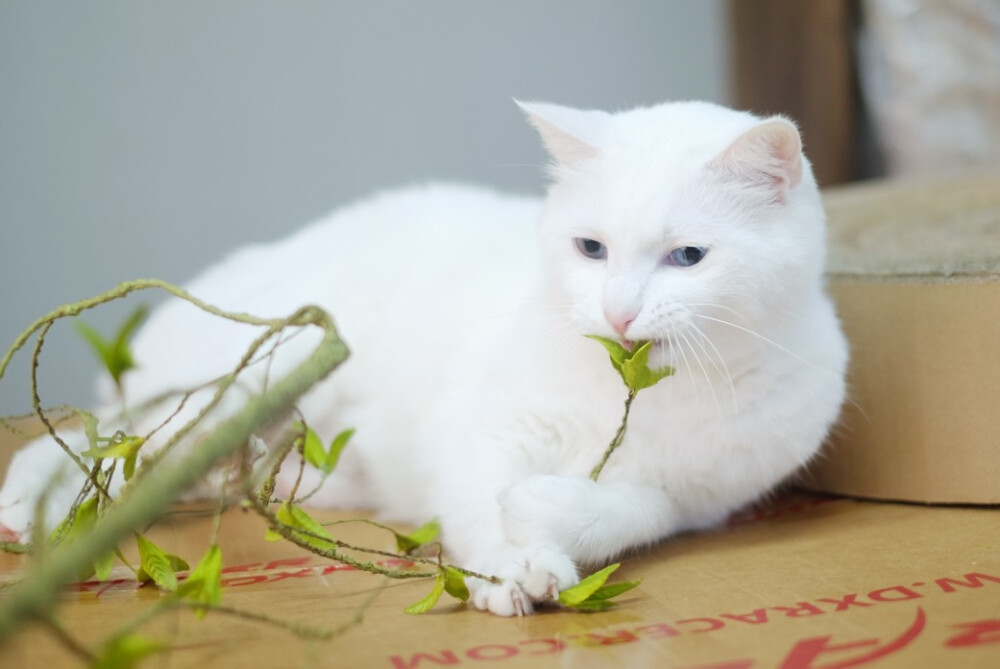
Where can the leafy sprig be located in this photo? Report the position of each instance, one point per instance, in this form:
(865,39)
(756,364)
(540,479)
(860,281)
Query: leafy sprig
(633,366)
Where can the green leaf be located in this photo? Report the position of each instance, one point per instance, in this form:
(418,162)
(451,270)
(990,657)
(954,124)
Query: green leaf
(115,354)
(204,583)
(593,606)
(619,354)
(592,595)
(296,518)
(157,566)
(90,428)
(336,446)
(612,590)
(103,565)
(83,520)
(428,602)
(128,467)
(101,347)
(407,543)
(633,365)
(128,328)
(125,652)
(635,370)
(587,587)
(304,521)
(314,452)
(312,446)
(120,446)
(454,584)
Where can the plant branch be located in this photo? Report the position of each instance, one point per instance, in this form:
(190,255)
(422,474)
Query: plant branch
(616,441)
(295,535)
(34,596)
(36,401)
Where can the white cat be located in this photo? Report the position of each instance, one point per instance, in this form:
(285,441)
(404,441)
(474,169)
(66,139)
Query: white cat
(475,396)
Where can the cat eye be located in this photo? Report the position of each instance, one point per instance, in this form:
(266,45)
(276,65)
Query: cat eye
(685,256)
(591,248)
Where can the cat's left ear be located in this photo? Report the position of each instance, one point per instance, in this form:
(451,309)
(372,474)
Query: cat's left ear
(570,135)
(766,157)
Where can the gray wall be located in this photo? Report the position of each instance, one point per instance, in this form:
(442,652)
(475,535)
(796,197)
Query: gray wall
(144,138)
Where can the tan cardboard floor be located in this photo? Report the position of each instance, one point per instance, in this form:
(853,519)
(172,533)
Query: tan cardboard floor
(804,582)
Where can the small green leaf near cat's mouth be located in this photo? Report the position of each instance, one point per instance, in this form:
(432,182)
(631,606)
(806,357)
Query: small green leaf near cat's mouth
(632,362)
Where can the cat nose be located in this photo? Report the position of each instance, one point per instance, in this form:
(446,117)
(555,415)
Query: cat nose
(619,321)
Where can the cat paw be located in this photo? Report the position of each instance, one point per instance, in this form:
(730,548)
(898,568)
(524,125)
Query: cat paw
(530,577)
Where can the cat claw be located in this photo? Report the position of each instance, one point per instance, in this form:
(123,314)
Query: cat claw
(553,590)
(504,599)
(520,606)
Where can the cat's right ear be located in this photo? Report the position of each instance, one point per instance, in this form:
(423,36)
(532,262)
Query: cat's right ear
(767,158)
(570,135)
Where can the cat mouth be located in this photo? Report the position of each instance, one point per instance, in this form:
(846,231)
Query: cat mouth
(661,344)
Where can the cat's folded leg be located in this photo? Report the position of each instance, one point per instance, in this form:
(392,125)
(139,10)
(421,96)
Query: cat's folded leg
(590,522)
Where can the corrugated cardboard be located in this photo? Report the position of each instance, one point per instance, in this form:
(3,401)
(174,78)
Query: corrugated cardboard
(804,581)
(915,273)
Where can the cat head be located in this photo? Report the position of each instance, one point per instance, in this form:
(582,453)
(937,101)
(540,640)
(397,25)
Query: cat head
(684,222)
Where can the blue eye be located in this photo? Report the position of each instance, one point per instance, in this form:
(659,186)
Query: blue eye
(685,256)
(591,248)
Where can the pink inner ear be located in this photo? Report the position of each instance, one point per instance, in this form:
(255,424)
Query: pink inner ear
(768,156)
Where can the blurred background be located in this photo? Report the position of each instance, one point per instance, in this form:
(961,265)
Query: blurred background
(145,139)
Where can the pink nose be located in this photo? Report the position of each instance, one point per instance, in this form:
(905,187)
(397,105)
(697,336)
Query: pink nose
(619,322)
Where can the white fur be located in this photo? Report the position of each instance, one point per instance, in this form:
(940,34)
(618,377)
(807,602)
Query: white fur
(475,397)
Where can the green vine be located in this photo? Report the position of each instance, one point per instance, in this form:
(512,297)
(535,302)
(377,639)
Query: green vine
(141,505)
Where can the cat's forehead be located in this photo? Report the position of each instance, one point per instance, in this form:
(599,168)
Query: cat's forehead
(648,179)
(651,194)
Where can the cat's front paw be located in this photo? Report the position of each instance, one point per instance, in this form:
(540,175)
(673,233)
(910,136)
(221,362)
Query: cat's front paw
(506,599)
(530,577)
(547,510)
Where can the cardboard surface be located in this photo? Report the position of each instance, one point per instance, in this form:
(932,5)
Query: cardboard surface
(916,278)
(804,582)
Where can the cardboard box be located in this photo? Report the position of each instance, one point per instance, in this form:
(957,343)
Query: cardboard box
(915,272)
(803,581)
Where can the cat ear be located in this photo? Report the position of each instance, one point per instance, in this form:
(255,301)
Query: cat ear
(570,135)
(767,157)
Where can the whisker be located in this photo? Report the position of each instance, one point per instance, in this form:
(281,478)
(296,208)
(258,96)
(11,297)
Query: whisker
(723,307)
(721,365)
(763,339)
(708,379)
